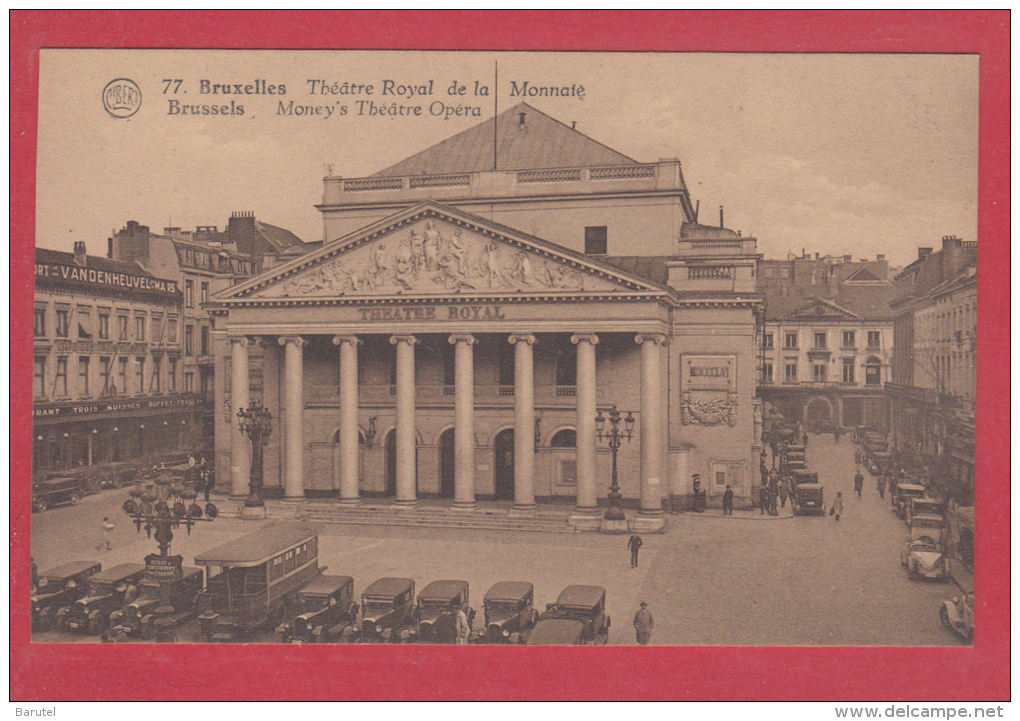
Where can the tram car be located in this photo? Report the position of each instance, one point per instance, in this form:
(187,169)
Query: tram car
(251,580)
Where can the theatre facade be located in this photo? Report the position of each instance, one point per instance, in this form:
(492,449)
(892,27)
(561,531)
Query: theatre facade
(461,329)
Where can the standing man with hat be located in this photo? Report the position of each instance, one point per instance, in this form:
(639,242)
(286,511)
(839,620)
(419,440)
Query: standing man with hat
(643,624)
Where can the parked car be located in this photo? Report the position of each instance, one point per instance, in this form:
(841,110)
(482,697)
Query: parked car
(117,474)
(808,493)
(322,611)
(904,493)
(958,615)
(924,507)
(387,609)
(55,491)
(91,613)
(435,616)
(137,618)
(584,605)
(59,587)
(509,613)
(923,558)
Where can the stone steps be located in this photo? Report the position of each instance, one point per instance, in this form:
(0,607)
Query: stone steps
(436,518)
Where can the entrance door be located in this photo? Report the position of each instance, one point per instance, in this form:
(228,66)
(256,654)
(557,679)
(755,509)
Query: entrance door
(503,464)
(391,464)
(446,464)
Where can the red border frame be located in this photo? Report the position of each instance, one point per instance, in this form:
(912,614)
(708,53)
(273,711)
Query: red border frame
(96,672)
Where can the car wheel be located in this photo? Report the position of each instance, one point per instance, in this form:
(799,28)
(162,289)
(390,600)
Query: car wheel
(41,505)
(75,499)
(44,622)
(117,482)
(944,617)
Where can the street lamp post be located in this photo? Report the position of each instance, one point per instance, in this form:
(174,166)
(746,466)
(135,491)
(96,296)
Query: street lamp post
(615,437)
(256,422)
(170,506)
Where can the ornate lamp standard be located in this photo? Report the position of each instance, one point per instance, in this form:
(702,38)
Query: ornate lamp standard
(170,506)
(256,422)
(615,437)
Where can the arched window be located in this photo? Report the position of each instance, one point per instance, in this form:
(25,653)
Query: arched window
(873,372)
(567,438)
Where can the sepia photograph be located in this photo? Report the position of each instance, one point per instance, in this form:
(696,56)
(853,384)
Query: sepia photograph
(343,356)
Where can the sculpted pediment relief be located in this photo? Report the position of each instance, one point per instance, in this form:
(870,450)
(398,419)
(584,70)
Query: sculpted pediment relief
(819,310)
(437,257)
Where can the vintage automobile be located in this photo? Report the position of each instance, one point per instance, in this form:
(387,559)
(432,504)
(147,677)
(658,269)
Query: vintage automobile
(322,611)
(387,612)
(923,558)
(91,612)
(509,613)
(924,507)
(808,494)
(435,616)
(54,491)
(904,493)
(794,460)
(136,618)
(59,587)
(879,462)
(584,605)
(249,580)
(875,441)
(117,474)
(958,615)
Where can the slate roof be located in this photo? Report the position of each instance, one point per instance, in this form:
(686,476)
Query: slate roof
(279,238)
(871,302)
(544,143)
(96,262)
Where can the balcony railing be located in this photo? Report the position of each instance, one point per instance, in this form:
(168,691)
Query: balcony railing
(438,393)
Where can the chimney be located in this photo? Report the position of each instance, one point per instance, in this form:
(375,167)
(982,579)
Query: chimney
(818,256)
(952,256)
(923,253)
(573,125)
(880,256)
(80,254)
(522,125)
(721,225)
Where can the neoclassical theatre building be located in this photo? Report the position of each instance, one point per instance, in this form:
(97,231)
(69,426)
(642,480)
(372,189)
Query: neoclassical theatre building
(474,308)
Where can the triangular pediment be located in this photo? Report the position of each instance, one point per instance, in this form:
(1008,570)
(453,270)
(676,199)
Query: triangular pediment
(433,250)
(819,308)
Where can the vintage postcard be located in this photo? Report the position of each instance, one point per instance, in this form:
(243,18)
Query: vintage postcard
(347,357)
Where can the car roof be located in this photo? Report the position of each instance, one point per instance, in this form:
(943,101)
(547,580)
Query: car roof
(508,591)
(580,595)
(556,632)
(66,570)
(911,487)
(58,481)
(258,547)
(187,572)
(388,587)
(443,590)
(809,486)
(326,585)
(934,518)
(119,573)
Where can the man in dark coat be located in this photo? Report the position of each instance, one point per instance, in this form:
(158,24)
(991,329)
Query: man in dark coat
(763,497)
(634,544)
(727,502)
(643,624)
(858,482)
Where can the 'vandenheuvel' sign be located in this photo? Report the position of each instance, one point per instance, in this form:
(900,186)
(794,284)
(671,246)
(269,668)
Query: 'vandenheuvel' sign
(49,410)
(94,277)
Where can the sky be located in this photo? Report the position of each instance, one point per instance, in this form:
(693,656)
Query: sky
(834,154)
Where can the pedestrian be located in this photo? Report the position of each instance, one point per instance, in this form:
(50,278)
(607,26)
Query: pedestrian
(859,482)
(643,624)
(727,502)
(108,527)
(463,627)
(857,456)
(881,486)
(634,544)
(208,482)
(837,506)
(784,493)
(763,498)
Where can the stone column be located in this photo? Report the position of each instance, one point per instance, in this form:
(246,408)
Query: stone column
(464,421)
(407,447)
(293,414)
(240,445)
(650,514)
(524,422)
(586,512)
(349,453)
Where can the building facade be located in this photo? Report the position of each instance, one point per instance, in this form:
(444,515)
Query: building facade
(470,315)
(827,344)
(107,370)
(204,261)
(933,388)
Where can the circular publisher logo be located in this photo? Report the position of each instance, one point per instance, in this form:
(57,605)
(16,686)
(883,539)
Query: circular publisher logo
(122,98)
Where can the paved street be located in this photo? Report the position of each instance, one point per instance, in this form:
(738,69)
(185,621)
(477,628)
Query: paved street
(740,580)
